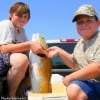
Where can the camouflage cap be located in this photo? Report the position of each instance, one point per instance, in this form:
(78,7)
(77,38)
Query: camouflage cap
(85,10)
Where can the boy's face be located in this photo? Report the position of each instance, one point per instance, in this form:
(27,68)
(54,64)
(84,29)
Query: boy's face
(18,21)
(87,26)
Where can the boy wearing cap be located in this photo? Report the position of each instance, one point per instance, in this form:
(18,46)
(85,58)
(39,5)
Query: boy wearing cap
(84,84)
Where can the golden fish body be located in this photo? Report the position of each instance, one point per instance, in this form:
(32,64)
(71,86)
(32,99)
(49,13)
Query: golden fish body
(40,69)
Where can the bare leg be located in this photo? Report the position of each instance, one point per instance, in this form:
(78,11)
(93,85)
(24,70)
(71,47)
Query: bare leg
(26,83)
(19,63)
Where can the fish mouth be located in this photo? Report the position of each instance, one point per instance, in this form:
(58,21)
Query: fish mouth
(41,55)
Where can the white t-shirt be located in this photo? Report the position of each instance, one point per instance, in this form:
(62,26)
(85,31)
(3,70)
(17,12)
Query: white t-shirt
(8,34)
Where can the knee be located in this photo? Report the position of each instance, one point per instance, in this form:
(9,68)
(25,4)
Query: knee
(74,92)
(71,92)
(19,60)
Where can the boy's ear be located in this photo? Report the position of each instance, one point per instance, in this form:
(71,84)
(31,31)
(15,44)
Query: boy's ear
(99,23)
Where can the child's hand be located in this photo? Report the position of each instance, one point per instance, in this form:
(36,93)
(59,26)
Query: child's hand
(37,48)
(53,51)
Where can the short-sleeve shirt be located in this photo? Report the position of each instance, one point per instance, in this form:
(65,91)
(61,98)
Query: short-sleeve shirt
(8,34)
(85,53)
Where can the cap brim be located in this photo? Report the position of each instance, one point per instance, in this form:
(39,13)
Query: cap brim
(77,16)
(74,19)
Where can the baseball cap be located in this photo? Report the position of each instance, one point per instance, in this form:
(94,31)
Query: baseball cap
(87,10)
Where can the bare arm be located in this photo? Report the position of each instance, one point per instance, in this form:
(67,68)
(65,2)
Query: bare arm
(21,47)
(64,55)
(89,72)
(67,58)
(15,47)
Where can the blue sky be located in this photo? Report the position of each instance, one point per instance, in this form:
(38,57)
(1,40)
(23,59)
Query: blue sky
(51,18)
